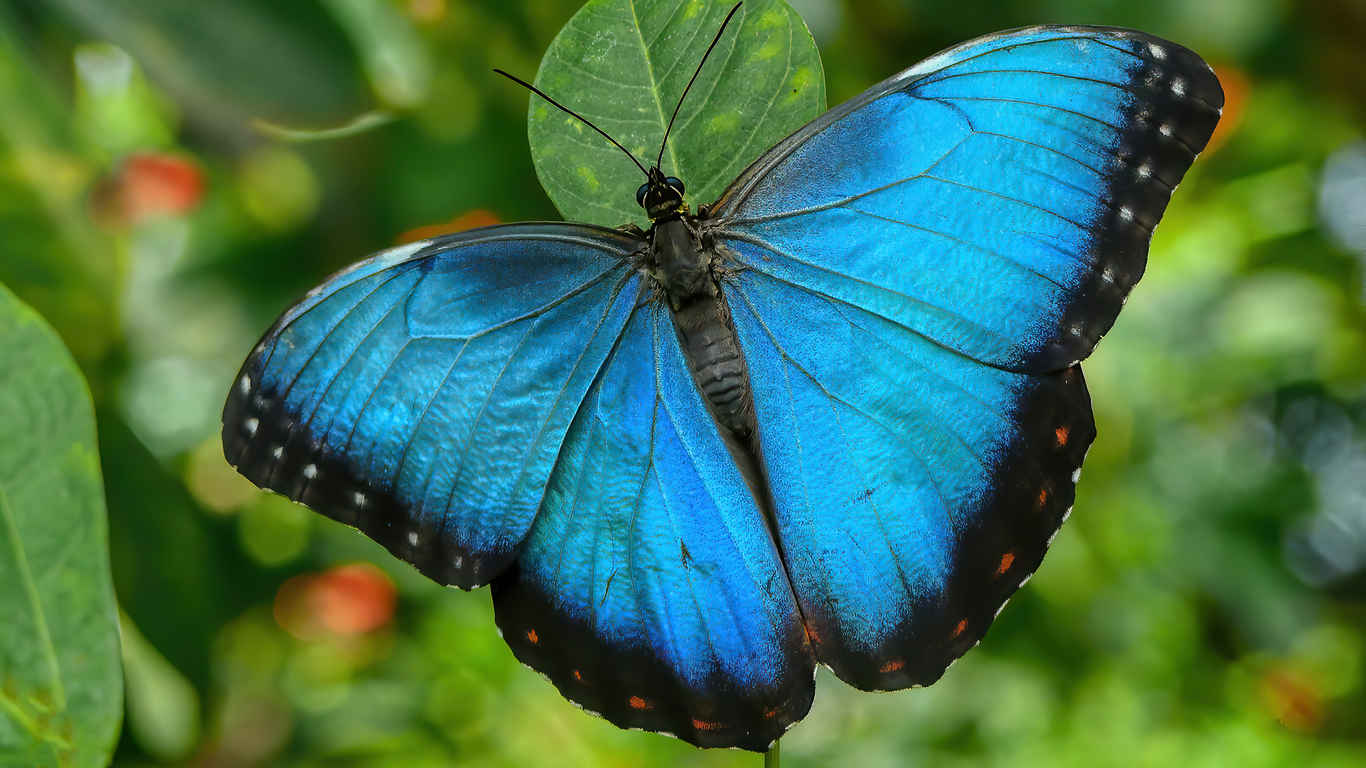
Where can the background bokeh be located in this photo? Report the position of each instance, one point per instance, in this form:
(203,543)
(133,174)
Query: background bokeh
(174,174)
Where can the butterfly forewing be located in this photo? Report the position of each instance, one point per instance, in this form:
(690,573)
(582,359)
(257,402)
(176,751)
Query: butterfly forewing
(997,199)
(422,396)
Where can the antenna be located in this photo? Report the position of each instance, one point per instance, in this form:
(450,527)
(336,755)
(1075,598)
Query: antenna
(714,41)
(585,121)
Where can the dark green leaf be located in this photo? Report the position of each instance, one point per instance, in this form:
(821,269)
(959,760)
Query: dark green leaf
(624,65)
(61,684)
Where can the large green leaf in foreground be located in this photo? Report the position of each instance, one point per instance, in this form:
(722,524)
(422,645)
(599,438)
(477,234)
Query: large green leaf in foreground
(61,684)
(624,64)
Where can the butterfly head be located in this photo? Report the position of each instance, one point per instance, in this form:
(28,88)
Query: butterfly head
(661,196)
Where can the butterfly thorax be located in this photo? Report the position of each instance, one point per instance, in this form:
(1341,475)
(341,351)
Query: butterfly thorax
(682,267)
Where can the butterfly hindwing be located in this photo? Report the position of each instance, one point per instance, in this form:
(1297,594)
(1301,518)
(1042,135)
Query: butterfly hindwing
(422,395)
(997,198)
(915,488)
(650,590)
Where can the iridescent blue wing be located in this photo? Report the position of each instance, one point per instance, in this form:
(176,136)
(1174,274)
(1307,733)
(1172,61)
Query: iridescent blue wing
(997,198)
(650,590)
(422,395)
(915,488)
(918,272)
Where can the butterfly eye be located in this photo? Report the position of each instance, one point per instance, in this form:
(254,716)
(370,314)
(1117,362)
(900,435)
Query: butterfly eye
(676,183)
(640,194)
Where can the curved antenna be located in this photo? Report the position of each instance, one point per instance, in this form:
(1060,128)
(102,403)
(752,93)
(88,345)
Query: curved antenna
(714,41)
(576,115)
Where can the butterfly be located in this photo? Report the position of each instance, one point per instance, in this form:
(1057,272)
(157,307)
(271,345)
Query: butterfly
(835,417)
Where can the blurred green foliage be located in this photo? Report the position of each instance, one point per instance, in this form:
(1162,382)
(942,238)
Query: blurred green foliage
(173,175)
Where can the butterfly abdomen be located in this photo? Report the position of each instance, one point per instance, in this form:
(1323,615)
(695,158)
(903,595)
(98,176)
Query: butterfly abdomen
(717,366)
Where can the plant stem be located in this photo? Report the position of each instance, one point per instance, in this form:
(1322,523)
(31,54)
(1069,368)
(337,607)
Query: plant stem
(771,756)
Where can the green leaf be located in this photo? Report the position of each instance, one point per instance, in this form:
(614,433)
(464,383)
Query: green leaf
(623,65)
(61,684)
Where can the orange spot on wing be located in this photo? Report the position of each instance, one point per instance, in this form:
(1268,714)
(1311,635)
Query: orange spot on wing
(531,635)
(811,636)
(1006,560)
(892,666)
(771,712)
(638,703)
(703,725)
(962,625)
(1061,432)
(1043,497)
(577,676)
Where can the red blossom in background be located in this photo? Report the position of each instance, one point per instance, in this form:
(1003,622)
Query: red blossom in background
(344,600)
(1293,699)
(471,220)
(146,185)
(1237,89)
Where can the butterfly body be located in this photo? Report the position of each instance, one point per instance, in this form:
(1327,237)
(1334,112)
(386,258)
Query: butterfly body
(687,276)
(835,418)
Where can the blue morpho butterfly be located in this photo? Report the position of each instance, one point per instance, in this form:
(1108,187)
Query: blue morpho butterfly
(835,417)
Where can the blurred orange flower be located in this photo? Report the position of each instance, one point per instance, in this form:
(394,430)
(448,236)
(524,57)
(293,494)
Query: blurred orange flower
(1237,89)
(344,600)
(1292,699)
(146,185)
(471,220)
